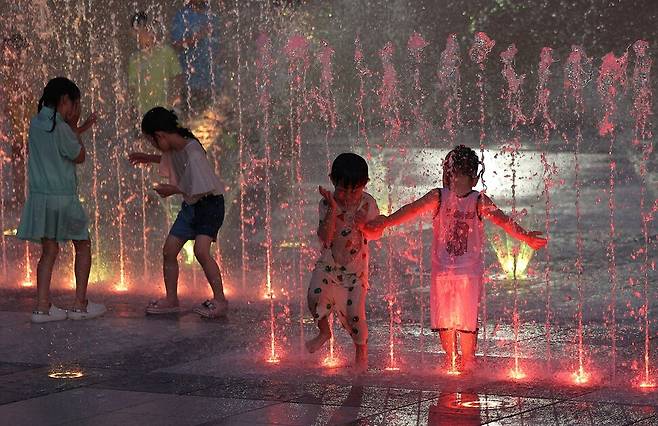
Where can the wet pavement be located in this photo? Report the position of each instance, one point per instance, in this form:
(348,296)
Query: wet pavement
(182,370)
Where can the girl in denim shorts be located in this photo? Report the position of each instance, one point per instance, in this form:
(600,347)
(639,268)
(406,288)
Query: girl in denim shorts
(183,162)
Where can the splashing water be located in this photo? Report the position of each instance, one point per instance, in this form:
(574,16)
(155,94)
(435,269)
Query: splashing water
(297,51)
(512,97)
(244,260)
(415,47)
(450,86)
(549,170)
(264,64)
(324,96)
(364,73)
(575,80)
(642,139)
(389,98)
(478,53)
(611,81)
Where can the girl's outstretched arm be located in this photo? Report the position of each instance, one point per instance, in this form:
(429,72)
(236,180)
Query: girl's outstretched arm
(428,202)
(491,212)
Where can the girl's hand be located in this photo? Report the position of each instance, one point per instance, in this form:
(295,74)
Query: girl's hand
(136,158)
(534,240)
(329,196)
(165,190)
(90,121)
(74,116)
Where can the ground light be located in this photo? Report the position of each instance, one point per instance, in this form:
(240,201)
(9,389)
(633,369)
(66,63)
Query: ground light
(580,377)
(331,362)
(509,251)
(517,374)
(66,373)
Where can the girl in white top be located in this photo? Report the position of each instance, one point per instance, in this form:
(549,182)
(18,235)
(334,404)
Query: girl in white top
(457,249)
(183,162)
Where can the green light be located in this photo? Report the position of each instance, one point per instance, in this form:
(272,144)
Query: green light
(510,252)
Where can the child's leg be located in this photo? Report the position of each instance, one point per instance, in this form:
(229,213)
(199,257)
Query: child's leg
(49,250)
(361,357)
(209,265)
(468,342)
(319,301)
(352,302)
(172,247)
(449,343)
(82,268)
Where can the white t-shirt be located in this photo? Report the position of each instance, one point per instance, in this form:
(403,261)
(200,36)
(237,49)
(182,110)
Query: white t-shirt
(190,171)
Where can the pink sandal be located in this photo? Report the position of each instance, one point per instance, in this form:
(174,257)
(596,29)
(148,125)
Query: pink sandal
(159,307)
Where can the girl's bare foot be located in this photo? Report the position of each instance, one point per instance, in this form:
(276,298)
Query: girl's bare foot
(317,342)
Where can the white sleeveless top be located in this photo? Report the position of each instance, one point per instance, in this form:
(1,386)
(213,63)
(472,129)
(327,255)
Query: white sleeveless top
(458,243)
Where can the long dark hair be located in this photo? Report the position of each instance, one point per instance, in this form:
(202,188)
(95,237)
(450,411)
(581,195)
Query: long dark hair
(53,92)
(160,119)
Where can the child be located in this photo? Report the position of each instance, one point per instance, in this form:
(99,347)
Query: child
(194,33)
(340,279)
(53,212)
(183,161)
(457,252)
(154,73)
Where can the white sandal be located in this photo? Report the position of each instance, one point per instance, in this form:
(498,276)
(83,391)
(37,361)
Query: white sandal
(53,314)
(93,310)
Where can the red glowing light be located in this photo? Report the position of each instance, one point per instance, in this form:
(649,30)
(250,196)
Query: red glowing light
(121,288)
(453,372)
(27,284)
(272,360)
(645,384)
(392,368)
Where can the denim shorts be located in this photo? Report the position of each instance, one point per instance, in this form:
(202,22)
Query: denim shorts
(204,217)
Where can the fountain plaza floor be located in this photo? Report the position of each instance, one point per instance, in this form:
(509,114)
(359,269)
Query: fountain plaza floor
(182,370)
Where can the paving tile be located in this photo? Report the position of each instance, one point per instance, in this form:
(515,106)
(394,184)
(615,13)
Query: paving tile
(68,406)
(195,409)
(581,413)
